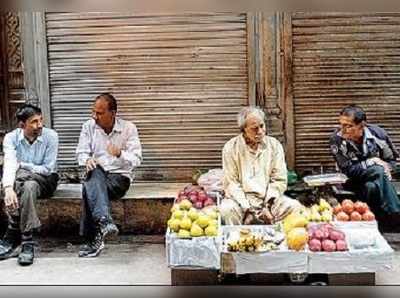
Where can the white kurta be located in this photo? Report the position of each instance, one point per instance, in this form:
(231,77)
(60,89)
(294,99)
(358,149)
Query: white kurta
(252,178)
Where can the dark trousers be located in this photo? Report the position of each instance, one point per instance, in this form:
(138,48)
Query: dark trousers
(374,188)
(30,187)
(99,188)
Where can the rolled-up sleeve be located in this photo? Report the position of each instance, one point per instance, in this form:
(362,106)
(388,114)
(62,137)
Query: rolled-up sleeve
(83,151)
(232,187)
(278,179)
(10,165)
(132,154)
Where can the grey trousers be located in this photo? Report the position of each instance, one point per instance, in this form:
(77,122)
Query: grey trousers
(99,188)
(30,187)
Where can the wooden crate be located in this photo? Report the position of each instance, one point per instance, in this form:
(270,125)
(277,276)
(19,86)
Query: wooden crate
(194,277)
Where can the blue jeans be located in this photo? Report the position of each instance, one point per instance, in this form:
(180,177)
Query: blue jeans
(374,188)
(99,188)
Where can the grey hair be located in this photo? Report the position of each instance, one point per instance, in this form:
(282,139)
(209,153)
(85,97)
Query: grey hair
(245,112)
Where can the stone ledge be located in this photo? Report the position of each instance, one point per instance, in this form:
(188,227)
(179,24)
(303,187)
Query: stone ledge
(145,209)
(139,190)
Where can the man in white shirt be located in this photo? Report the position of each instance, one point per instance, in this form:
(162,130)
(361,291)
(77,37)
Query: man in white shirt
(255,175)
(110,149)
(30,154)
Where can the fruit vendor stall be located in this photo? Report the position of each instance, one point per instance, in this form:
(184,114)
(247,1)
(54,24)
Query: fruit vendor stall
(338,239)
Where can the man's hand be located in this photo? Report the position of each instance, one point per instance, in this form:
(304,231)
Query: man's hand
(114,150)
(10,199)
(386,166)
(281,215)
(91,164)
(266,216)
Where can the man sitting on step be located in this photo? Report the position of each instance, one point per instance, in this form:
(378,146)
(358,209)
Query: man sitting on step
(29,173)
(255,175)
(366,154)
(110,149)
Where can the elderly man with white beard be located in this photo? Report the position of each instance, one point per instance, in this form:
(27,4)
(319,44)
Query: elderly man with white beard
(255,175)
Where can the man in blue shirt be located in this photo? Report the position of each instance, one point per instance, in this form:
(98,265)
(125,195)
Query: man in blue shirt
(367,155)
(29,173)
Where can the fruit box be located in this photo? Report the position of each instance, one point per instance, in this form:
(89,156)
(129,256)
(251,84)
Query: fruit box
(355,224)
(194,252)
(324,179)
(282,260)
(373,258)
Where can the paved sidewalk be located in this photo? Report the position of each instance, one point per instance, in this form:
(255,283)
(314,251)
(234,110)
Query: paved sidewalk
(138,260)
(127,263)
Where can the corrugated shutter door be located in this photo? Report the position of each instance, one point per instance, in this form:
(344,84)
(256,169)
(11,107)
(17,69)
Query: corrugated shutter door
(341,59)
(180,79)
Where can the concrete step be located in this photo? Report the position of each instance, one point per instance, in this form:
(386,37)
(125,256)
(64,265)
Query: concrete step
(143,210)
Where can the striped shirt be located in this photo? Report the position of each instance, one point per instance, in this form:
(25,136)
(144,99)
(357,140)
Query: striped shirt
(93,143)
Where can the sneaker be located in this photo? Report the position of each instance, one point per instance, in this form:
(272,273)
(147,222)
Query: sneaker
(84,249)
(27,254)
(109,230)
(93,248)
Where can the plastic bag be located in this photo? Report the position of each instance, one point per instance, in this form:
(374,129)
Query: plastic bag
(211,181)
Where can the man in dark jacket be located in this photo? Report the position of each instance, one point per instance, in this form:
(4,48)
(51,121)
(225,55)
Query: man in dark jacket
(366,154)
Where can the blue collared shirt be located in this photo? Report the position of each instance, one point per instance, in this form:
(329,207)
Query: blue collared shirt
(39,157)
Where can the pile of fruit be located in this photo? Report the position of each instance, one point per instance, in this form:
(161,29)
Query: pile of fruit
(349,211)
(294,226)
(324,237)
(196,195)
(246,240)
(188,222)
(319,212)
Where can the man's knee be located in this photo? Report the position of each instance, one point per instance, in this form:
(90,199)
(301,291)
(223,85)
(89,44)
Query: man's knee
(96,175)
(371,187)
(376,171)
(31,186)
(226,207)
(231,213)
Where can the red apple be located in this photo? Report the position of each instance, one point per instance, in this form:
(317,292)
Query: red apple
(209,202)
(198,205)
(193,198)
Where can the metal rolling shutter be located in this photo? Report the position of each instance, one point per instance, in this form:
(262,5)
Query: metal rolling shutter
(180,79)
(340,59)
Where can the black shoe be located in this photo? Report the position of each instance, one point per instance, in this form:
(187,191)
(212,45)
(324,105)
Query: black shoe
(7,249)
(108,230)
(27,254)
(93,248)
(10,243)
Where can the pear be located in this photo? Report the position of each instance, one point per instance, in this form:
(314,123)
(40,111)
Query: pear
(178,214)
(324,205)
(185,223)
(174,208)
(213,222)
(203,221)
(196,231)
(183,233)
(326,216)
(174,225)
(213,215)
(193,214)
(211,231)
(185,205)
